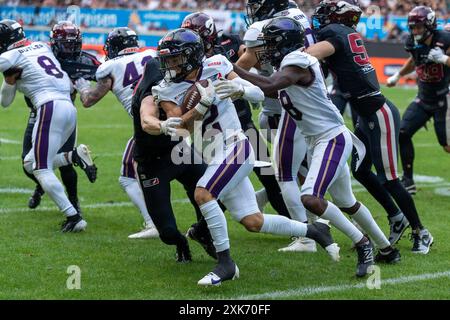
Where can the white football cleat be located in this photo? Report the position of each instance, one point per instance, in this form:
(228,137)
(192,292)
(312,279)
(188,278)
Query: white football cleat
(333,251)
(149,232)
(211,279)
(300,244)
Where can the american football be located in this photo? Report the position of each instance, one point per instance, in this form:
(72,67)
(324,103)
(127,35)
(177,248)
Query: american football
(192,97)
(287,183)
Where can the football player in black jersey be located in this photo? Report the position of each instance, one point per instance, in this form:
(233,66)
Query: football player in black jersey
(155,168)
(66,43)
(343,50)
(429,49)
(232,47)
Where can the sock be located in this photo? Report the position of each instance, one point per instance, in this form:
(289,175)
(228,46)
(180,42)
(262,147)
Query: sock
(134,192)
(69,178)
(55,190)
(291,195)
(217,225)
(62,159)
(405,202)
(338,220)
(371,182)
(406,154)
(279,225)
(261,199)
(364,218)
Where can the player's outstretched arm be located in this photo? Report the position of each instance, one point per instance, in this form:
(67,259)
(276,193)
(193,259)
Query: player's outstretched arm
(149,112)
(235,88)
(321,50)
(91,95)
(407,68)
(248,59)
(279,80)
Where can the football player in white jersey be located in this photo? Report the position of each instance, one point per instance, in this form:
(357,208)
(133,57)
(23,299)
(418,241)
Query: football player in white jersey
(123,68)
(289,145)
(301,88)
(32,69)
(226,178)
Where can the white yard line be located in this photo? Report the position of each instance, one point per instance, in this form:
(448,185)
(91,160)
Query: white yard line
(309,291)
(87,206)
(7,141)
(16,190)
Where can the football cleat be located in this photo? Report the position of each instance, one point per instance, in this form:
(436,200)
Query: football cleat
(333,251)
(365,258)
(300,244)
(391,257)
(205,240)
(409,185)
(422,241)
(81,157)
(149,232)
(397,226)
(35,199)
(212,279)
(74,223)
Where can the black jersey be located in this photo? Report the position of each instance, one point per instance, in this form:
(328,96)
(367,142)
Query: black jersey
(148,146)
(228,45)
(432,78)
(85,66)
(355,75)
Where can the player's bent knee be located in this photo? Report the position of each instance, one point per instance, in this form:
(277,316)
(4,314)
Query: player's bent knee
(253,223)
(125,182)
(202,196)
(314,204)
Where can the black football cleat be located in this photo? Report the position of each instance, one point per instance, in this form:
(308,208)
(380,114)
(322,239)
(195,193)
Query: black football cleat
(81,157)
(390,257)
(74,223)
(203,237)
(365,258)
(35,199)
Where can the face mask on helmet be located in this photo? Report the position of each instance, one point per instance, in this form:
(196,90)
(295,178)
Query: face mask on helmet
(175,65)
(269,53)
(258,10)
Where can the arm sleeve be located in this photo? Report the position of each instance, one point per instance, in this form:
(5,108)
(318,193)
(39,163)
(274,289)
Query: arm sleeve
(103,71)
(7,60)
(7,94)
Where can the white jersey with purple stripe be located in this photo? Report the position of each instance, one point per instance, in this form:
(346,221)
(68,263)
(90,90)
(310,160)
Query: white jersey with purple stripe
(42,78)
(310,106)
(222,114)
(125,70)
(272,106)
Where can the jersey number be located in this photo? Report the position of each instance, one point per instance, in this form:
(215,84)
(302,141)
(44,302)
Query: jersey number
(430,72)
(50,67)
(214,113)
(357,46)
(289,107)
(131,73)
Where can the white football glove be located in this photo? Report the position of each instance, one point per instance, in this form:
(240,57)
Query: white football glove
(229,89)
(437,55)
(207,94)
(82,84)
(169,126)
(392,80)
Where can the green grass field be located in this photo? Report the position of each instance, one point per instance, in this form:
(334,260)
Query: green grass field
(35,256)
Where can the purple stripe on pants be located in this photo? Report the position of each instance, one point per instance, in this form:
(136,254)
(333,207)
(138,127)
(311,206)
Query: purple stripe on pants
(42,136)
(286,152)
(228,168)
(331,158)
(127,161)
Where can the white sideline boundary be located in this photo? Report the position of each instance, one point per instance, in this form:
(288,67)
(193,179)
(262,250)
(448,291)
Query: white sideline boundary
(8,141)
(87,206)
(309,291)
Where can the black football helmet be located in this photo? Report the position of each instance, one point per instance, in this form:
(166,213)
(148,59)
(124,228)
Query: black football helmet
(121,41)
(346,12)
(204,25)
(66,40)
(258,10)
(425,16)
(181,51)
(281,36)
(11,35)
